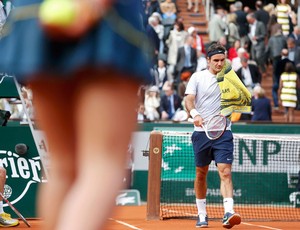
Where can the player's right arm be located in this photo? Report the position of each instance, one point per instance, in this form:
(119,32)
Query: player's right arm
(190,106)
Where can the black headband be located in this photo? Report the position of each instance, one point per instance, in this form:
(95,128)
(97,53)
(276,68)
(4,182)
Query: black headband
(214,52)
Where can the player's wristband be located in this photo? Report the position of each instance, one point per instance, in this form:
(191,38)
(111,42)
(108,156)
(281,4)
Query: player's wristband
(194,113)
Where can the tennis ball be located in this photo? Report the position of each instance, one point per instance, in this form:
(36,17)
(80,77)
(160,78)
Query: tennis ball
(61,13)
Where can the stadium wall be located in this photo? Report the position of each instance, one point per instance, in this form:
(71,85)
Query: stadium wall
(140,142)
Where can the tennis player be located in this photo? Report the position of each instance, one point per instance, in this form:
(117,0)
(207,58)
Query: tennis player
(203,101)
(5,219)
(84,83)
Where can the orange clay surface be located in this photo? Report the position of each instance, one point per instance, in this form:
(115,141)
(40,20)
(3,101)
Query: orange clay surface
(134,218)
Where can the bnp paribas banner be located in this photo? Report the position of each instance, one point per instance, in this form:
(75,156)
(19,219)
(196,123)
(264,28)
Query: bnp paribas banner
(24,169)
(265,170)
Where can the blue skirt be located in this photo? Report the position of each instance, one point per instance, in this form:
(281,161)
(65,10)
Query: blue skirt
(116,42)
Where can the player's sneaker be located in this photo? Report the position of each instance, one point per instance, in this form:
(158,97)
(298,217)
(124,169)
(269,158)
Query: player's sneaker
(202,222)
(7,221)
(231,219)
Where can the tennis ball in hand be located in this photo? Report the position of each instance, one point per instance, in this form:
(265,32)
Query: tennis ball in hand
(58,13)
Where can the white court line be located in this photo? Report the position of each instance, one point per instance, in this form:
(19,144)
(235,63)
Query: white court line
(126,224)
(261,226)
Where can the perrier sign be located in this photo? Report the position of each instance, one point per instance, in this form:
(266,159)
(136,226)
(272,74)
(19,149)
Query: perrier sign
(24,173)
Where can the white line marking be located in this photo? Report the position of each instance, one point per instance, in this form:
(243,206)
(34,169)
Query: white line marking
(126,224)
(174,211)
(261,226)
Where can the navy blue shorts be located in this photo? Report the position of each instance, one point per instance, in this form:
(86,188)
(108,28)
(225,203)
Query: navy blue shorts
(206,150)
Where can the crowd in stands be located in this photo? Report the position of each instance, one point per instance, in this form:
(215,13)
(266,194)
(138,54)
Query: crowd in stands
(255,39)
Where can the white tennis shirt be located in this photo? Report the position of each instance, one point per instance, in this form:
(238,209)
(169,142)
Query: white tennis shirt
(205,87)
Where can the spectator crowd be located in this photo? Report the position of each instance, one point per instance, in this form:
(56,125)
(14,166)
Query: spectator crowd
(266,37)
(260,41)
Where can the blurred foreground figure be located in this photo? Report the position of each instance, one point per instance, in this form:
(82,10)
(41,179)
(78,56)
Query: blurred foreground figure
(85,83)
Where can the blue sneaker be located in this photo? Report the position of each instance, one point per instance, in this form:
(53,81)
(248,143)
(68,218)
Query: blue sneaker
(202,222)
(231,219)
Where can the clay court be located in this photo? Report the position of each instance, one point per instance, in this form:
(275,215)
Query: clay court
(134,217)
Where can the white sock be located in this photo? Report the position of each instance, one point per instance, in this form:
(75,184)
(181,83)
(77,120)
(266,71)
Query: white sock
(1,207)
(201,206)
(228,205)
